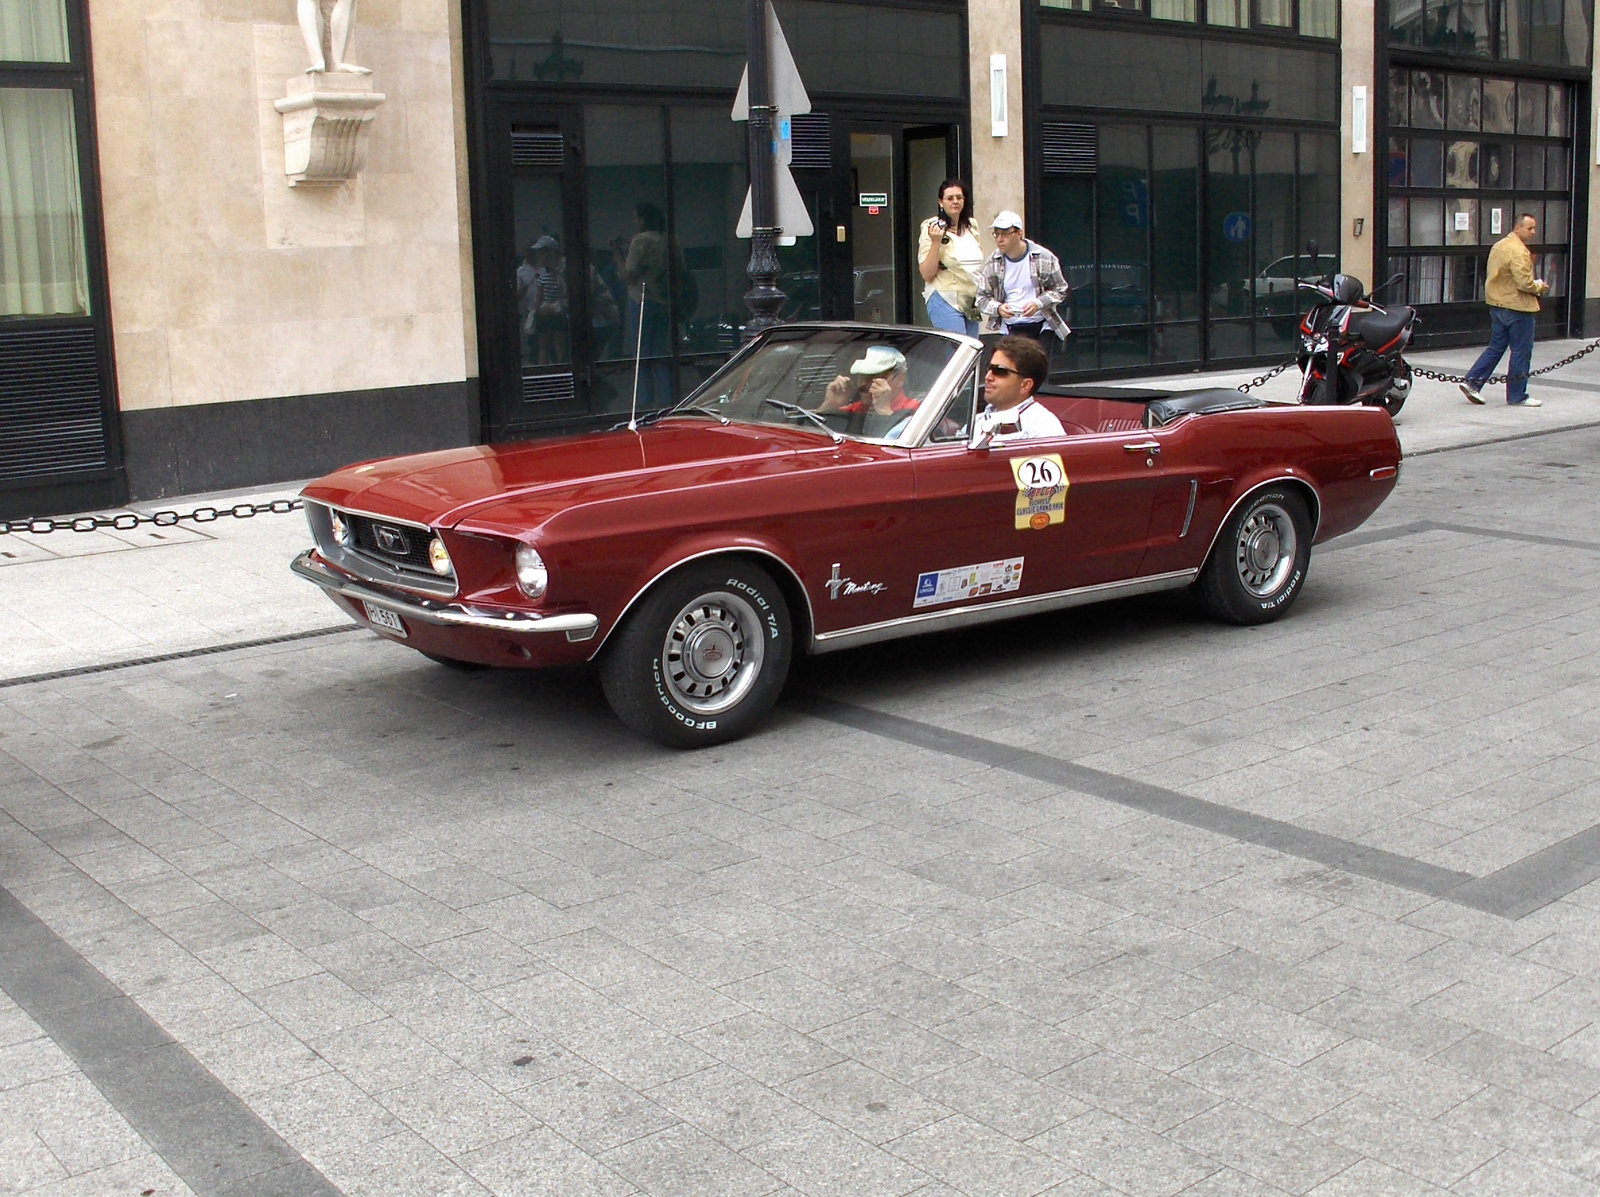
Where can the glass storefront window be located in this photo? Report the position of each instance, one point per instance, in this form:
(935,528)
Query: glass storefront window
(1230,14)
(1499,106)
(43,262)
(1552,32)
(1399,97)
(1319,18)
(1275,14)
(33,31)
(1465,110)
(1123,205)
(1175,221)
(1399,223)
(708,187)
(1173,10)
(1427,162)
(1427,100)
(1461,164)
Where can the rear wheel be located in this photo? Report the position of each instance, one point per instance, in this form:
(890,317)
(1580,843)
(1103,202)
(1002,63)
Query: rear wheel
(1259,562)
(703,656)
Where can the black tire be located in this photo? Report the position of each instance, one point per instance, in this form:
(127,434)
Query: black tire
(452,663)
(1392,404)
(1259,562)
(658,671)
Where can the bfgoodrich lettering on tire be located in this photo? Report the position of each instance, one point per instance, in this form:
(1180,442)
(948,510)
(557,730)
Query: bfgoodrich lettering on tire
(1259,562)
(703,656)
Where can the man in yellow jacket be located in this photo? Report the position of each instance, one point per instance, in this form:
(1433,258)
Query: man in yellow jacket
(1513,294)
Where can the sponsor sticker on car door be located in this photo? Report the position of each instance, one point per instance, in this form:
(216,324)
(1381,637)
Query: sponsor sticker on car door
(1041,491)
(968,582)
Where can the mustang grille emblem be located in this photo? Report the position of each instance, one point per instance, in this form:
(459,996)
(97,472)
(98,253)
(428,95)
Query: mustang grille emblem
(391,540)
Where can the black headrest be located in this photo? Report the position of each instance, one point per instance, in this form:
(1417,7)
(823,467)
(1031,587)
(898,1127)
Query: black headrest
(1164,411)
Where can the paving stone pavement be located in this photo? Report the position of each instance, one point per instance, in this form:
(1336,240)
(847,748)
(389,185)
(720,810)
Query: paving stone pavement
(458,933)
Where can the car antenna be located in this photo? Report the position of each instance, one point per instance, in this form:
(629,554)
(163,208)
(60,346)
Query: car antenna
(638,352)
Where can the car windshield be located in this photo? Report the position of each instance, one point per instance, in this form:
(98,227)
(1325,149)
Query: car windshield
(858,382)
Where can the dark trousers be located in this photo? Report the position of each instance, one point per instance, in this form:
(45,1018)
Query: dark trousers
(1516,330)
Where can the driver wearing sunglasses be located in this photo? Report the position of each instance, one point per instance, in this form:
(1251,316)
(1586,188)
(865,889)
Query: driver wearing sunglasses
(1017,369)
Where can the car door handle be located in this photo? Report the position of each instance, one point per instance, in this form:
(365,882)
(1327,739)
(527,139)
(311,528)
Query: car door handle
(1144,447)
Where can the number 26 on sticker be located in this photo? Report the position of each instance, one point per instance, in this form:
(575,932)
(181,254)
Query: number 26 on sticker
(1041,491)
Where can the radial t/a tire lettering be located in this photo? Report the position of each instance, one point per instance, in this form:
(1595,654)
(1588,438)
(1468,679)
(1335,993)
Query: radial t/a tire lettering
(1259,562)
(703,656)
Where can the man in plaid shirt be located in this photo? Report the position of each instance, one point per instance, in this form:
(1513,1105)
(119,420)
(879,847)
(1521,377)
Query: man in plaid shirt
(1020,285)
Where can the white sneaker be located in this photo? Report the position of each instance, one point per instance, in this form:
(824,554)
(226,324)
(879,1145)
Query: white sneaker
(1472,393)
(1530,401)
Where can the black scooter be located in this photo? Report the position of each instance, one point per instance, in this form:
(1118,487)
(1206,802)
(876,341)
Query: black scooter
(1352,350)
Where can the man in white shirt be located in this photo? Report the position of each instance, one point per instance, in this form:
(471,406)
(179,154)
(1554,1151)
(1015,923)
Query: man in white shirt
(1017,369)
(1020,286)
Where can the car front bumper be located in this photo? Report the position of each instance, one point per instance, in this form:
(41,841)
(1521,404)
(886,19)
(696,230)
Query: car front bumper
(576,627)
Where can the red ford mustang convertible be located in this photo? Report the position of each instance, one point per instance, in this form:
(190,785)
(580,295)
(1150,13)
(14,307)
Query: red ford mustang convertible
(691,558)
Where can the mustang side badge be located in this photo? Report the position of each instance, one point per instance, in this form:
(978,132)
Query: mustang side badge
(1041,490)
(838,583)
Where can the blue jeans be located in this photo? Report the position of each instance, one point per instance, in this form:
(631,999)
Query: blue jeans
(1516,330)
(944,315)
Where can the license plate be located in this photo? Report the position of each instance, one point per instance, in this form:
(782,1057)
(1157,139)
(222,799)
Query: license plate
(387,620)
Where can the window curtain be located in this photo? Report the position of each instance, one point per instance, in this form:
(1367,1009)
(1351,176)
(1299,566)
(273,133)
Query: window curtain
(43,271)
(33,31)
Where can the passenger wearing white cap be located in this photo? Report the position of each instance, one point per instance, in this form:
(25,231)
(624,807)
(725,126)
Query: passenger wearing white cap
(1021,287)
(876,384)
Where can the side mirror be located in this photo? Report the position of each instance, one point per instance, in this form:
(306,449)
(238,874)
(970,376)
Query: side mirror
(981,439)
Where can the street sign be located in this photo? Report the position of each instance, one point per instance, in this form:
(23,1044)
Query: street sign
(790,99)
(1236,227)
(874,199)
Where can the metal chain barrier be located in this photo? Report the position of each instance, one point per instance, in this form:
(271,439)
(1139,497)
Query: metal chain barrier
(1439,376)
(127,521)
(1259,379)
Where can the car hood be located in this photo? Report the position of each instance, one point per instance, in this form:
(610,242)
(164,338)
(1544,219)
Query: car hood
(443,488)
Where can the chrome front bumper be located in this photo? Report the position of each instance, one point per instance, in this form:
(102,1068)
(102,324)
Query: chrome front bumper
(577,628)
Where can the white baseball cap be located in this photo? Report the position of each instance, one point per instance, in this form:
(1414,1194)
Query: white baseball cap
(1007,220)
(879,359)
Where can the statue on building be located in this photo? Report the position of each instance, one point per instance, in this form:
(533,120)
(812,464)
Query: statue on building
(338,26)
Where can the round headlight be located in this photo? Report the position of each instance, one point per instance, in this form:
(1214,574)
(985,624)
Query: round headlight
(532,576)
(439,558)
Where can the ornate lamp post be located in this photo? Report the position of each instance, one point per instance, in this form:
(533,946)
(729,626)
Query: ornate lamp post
(764,298)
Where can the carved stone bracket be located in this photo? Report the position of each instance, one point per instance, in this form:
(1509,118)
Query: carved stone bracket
(325,119)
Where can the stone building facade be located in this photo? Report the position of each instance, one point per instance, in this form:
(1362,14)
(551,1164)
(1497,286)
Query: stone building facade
(218,270)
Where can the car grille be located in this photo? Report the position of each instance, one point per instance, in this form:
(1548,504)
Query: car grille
(377,539)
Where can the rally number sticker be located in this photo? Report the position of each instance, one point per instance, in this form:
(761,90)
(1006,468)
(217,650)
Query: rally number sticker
(968,582)
(1041,491)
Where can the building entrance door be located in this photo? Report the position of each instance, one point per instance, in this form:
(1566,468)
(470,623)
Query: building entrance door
(869,190)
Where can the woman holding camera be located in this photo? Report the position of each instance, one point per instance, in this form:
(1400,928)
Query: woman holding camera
(949,255)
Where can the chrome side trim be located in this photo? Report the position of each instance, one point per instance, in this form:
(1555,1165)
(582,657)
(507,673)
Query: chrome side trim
(962,617)
(1188,516)
(454,615)
(811,615)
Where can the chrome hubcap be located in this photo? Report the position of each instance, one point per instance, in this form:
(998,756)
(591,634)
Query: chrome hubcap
(713,653)
(1266,550)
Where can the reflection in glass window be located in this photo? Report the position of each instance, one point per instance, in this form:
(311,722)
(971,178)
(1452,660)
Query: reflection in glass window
(1494,165)
(1553,269)
(1399,163)
(1461,222)
(1275,14)
(1555,168)
(1399,223)
(1123,183)
(1531,108)
(43,265)
(1530,168)
(1460,279)
(1427,221)
(1461,164)
(1427,163)
(1399,97)
(33,31)
(1495,221)
(1234,14)
(1499,106)
(1544,31)
(1319,18)
(1406,22)
(1175,185)
(1173,10)
(1556,213)
(1427,100)
(1473,35)
(1466,103)
(1427,280)
(1558,111)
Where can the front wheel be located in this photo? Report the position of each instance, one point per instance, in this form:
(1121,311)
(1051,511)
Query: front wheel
(703,656)
(1259,562)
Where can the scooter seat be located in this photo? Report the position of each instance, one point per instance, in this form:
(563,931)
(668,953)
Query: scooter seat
(1379,329)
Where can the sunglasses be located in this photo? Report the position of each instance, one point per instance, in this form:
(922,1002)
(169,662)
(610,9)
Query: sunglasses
(1000,371)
